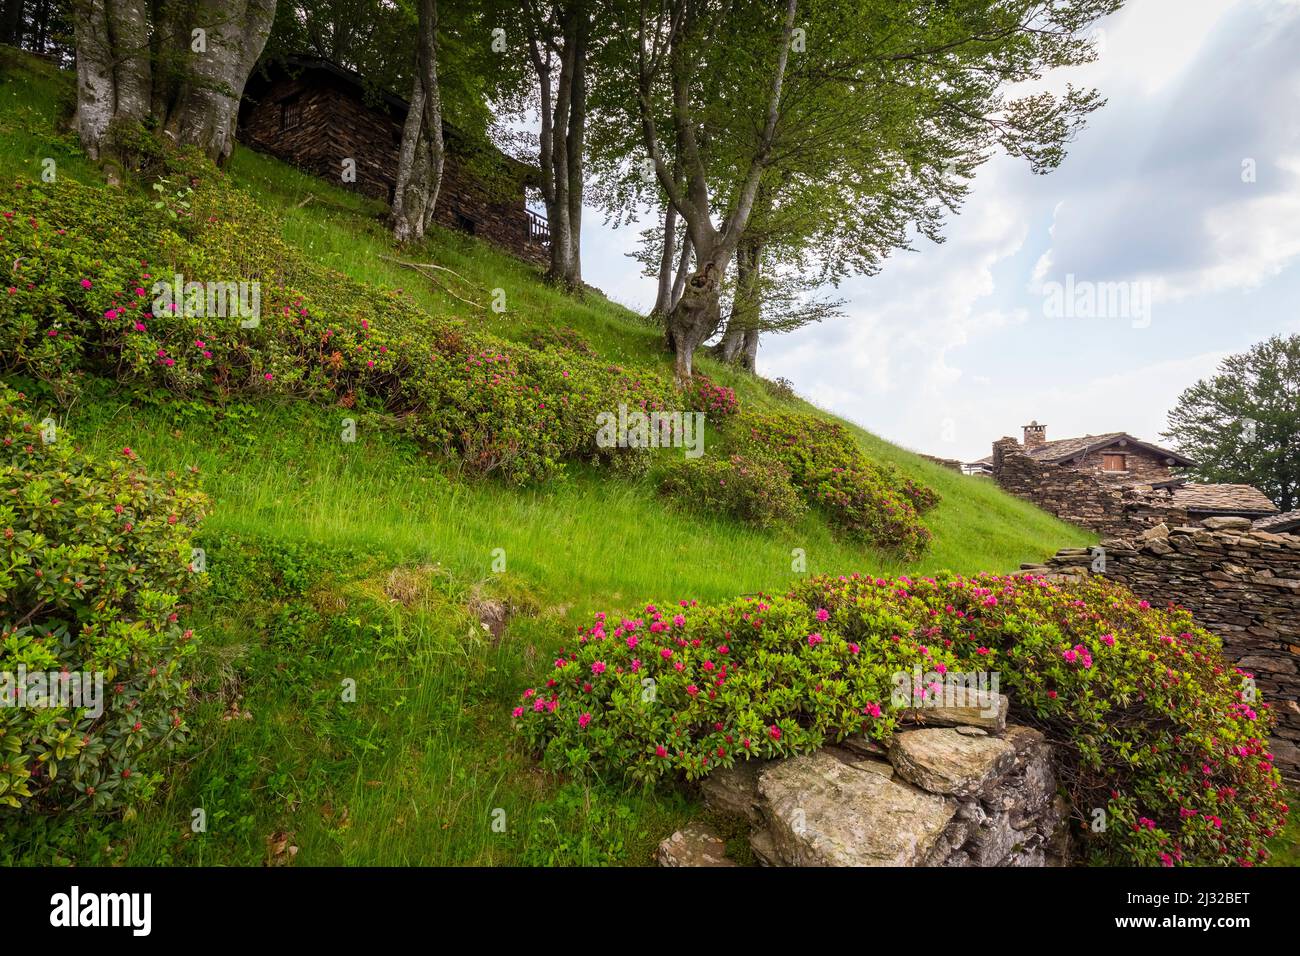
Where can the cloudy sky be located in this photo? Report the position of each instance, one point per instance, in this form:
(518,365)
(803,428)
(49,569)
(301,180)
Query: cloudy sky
(1185,187)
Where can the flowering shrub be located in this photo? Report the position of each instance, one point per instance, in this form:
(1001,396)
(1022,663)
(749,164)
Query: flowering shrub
(860,497)
(565,338)
(82,299)
(753,489)
(96,556)
(713,399)
(780,388)
(1151,724)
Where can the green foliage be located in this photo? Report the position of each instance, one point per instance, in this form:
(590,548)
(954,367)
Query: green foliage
(96,560)
(865,500)
(753,489)
(564,338)
(1153,724)
(1235,427)
(90,297)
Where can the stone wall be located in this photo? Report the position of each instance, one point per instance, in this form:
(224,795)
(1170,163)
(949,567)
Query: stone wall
(1242,585)
(1142,465)
(1077,497)
(961,795)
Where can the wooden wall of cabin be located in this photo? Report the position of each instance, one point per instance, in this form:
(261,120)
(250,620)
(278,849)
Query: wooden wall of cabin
(334,124)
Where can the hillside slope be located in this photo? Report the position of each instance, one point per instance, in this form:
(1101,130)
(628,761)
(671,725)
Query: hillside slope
(377,561)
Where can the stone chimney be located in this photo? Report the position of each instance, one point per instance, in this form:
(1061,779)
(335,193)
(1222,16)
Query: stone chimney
(1035,435)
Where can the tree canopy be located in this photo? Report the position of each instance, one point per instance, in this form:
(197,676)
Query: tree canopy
(1242,424)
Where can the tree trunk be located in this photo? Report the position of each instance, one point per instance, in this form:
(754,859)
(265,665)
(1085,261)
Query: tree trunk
(11,22)
(664,298)
(564,117)
(574,143)
(420,158)
(740,340)
(683,270)
(205,113)
(113,76)
(749,351)
(695,317)
(193,95)
(406,217)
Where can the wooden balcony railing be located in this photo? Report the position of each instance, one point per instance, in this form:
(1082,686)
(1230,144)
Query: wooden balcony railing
(539,230)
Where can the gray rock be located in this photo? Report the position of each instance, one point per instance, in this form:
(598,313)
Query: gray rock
(822,812)
(696,844)
(941,760)
(1226,522)
(1157,531)
(733,791)
(982,709)
(764,847)
(993,842)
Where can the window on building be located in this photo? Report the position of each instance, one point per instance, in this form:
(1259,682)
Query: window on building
(1114,462)
(290,113)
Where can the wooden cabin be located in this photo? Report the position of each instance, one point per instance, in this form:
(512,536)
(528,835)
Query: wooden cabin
(316,115)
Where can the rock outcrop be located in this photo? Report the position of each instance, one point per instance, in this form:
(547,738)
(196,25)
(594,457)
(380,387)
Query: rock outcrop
(935,796)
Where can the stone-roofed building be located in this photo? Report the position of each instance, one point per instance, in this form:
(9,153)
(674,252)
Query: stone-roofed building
(1288,522)
(1113,483)
(1114,456)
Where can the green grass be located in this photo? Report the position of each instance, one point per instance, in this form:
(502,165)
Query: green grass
(306,530)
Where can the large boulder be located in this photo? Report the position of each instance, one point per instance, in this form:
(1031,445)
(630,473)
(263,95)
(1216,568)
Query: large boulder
(823,812)
(942,760)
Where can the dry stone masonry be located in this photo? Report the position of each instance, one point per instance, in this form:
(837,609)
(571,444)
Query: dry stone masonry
(1239,583)
(956,795)
(1078,497)
(1083,495)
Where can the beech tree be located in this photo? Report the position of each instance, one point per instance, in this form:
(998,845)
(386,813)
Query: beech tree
(1242,424)
(747,92)
(559,35)
(420,158)
(176,65)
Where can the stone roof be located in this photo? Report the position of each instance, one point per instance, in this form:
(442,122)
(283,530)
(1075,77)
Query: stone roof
(1063,449)
(1223,499)
(1066,448)
(1279,523)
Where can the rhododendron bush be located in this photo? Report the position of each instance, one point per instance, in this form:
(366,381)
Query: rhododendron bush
(82,299)
(863,499)
(94,561)
(748,487)
(1150,724)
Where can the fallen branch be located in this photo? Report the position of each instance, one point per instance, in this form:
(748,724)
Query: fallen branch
(420,267)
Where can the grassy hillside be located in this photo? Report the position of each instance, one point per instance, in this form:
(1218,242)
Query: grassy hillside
(374,561)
